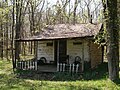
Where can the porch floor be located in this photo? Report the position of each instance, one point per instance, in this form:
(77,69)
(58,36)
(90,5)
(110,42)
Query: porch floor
(47,68)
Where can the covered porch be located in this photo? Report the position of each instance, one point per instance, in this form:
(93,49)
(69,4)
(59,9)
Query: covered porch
(53,58)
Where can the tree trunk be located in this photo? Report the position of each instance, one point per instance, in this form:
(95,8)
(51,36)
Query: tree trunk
(112,40)
(74,12)
(6,34)
(1,42)
(12,42)
(18,27)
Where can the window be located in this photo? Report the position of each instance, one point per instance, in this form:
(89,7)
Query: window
(77,43)
(49,44)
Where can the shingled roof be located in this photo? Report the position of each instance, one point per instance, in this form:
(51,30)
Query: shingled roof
(60,31)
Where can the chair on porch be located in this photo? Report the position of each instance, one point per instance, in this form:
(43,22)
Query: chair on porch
(77,60)
(64,59)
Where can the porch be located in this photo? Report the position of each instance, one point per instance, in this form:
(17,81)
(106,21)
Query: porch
(64,55)
(60,67)
(47,68)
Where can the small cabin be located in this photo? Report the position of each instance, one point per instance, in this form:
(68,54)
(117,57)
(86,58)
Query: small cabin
(64,47)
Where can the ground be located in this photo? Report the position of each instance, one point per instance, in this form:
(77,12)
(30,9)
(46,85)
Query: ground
(91,80)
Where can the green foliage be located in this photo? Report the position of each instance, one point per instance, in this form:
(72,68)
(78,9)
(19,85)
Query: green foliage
(4,11)
(100,38)
(63,76)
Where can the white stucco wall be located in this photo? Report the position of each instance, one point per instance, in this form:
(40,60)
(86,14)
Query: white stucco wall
(45,51)
(72,50)
(86,51)
(77,50)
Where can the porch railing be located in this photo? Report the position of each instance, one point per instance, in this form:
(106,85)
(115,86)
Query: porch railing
(27,65)
(73,68)
(61,67)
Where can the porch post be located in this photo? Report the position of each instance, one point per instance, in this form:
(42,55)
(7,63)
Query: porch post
(83,56)
(13,58)
(17,52)
(36,48)
(58,55)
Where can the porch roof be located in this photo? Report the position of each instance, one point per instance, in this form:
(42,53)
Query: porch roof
(64,31)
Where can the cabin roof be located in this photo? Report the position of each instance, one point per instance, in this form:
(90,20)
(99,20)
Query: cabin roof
(65,31)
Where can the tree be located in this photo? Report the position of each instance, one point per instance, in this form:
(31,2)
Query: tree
(110,14)
(74,12)
(5,25)
(19,5)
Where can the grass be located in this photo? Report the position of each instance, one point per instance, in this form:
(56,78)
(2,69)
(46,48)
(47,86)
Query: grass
(11,81)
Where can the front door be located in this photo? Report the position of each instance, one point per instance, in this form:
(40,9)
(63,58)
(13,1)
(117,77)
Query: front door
(62,51)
